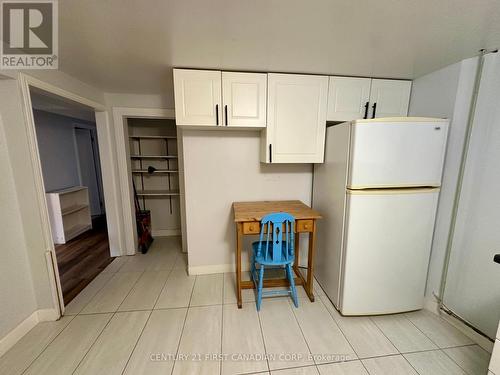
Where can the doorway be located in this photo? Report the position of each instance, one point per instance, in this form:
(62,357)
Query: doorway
(66,136)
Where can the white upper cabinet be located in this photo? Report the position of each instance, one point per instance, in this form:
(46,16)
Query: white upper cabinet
(296,120)
(389,98)
(244,99)
(198,98)
(356,98)
(348,98)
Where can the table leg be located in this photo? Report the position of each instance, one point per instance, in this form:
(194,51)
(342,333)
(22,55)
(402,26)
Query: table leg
(310,263)
(297,252)
(239,239)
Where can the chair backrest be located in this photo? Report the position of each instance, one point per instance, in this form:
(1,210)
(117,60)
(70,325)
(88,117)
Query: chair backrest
(277,230)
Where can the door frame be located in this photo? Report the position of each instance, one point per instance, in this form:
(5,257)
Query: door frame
(103,125)
(120,116)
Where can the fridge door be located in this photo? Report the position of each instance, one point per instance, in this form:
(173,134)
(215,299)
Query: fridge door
(386,251)
(397,152)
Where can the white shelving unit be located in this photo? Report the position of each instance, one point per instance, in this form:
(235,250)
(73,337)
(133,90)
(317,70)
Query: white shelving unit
(69,213)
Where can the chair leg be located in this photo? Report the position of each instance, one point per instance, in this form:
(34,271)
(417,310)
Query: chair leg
(292,285)
(259,290)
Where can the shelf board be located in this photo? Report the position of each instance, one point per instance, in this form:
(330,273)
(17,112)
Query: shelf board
(73,209)
(75,230)
(157,193)
(153,137)
(153,156)
(68,190)
(145,171)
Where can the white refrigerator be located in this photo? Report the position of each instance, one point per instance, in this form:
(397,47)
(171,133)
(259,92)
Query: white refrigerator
(378,191)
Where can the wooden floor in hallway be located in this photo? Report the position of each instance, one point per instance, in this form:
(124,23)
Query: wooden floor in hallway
(81,259)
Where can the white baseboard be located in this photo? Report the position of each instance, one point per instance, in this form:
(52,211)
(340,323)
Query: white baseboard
(165,232)
(432,305)
(216,268)
(11,338)
(47,315)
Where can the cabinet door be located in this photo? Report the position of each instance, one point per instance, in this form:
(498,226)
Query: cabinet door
(296,119)
(197,97)
(244,99)
(348,98)
(389,98)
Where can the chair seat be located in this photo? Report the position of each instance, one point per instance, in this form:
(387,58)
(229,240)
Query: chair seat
(261,259)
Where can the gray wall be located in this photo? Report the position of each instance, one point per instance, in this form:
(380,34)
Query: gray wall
(56,143)
(445,93)
(58,153)
(221,168)
(17,298)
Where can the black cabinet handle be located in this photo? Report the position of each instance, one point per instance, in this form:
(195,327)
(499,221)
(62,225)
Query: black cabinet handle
(217,114)
(367,104)
(270,153)
(225,112)
(374,109)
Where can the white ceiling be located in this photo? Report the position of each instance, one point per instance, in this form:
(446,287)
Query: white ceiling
(131,46)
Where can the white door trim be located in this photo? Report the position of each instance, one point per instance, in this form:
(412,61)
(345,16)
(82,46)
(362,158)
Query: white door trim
(120,115)
(26,82)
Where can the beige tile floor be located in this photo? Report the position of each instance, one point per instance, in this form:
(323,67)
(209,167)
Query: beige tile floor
(145,315)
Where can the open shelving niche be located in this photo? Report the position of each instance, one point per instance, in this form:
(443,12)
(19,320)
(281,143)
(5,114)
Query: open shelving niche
(155,171)
(69,213)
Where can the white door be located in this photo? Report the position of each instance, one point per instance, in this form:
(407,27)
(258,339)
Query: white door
(198,98)
(348,98)
(473,281)
(397,153)
(387,248)
(389,98)
(244,99)
(296,120)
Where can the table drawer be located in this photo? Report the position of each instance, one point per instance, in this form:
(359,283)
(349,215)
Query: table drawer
(304,226)
(251,228)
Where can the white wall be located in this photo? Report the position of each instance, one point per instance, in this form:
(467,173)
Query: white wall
(23,241)
(17,297)
(445,93)
(222,167)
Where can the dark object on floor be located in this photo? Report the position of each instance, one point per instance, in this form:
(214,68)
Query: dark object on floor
(496,258)
(143,220)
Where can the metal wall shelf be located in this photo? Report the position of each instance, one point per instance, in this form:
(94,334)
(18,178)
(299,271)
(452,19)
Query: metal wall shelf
(153,156)
(157,193)
(152,137)
(145,171)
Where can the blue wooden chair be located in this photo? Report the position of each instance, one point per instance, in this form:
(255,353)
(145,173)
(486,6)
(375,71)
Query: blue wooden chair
(274,250)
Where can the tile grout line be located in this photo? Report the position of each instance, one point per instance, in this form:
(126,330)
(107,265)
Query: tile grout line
(263,339)
(339,327)
(182,333)
(111,318)
(137,342)
(46,346)
(301,330)
(163,287)
(91,346)
(222,327)
(95,294)
(130,290)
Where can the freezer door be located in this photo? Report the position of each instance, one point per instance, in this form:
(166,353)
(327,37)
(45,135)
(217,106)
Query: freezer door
(386,250)
(387,153)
